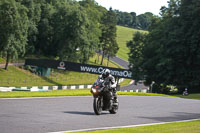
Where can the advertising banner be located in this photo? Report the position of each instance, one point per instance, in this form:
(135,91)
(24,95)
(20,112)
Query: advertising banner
(78,67)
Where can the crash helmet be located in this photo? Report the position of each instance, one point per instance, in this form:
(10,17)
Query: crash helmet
(106,73)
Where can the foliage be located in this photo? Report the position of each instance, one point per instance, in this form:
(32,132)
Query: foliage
(136,47)
(65,29)
(142,21)
(34,16)
(94,15)
(13,29)
(171,49)
(145,20)
(108,41)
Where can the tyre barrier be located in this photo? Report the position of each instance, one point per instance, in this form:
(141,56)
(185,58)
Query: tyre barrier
(136,90)
(48,88)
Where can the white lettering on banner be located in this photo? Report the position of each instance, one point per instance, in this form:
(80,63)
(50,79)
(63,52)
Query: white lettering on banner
(101,69)
(88,69)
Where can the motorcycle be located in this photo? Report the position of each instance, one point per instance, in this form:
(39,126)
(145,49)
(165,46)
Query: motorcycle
(103,98)
(185,93)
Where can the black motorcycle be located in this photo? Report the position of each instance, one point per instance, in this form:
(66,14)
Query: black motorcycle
(103,98)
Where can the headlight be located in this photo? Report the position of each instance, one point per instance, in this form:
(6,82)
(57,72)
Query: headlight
(94,90)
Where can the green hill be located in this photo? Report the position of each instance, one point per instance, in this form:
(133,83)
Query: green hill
(125,34)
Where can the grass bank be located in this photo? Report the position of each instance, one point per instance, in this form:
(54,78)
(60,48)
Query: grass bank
(175,127)
(19,77)
(55,93)
(125,34)
(190,96)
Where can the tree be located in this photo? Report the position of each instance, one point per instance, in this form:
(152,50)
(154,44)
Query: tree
(170,55)
(44,44)
(13,29)
(34,16)
(136,46)
(93,31)
(69,30)
(145,20)
(134,20)
(108,42)
(142,21)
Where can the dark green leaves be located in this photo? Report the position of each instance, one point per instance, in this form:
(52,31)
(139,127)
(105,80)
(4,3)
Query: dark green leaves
(13,28)
(170,55)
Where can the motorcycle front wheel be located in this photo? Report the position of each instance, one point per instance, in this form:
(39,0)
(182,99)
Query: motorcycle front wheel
(114,109)
(97,105)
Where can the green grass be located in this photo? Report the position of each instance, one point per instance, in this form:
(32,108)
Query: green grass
(190,96)
(20,77)
(18,94)
(175,127)
(2,60)
(125,34)
(76,92)
(125,82)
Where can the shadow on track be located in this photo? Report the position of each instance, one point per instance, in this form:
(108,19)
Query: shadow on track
(81,113)
(176,116)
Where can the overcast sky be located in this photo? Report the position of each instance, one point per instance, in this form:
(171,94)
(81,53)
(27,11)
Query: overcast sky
(137,6)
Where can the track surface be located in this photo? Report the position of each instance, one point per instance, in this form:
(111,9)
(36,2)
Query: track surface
(40,115)
(120,61)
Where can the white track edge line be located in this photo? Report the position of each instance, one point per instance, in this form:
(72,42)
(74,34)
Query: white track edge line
(119,127)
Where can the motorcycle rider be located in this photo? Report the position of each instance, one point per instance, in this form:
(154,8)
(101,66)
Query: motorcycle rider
(107,77)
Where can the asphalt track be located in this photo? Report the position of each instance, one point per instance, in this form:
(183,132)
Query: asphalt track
(41,115)
(120,61)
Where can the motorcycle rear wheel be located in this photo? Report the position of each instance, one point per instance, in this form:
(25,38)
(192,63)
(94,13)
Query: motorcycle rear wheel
(97,105)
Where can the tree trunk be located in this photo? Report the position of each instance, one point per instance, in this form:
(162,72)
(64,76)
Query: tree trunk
(98,55)
(98,58)
(102,58)
(7,61)
(108,60)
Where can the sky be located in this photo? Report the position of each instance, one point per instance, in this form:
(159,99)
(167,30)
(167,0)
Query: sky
(137,6)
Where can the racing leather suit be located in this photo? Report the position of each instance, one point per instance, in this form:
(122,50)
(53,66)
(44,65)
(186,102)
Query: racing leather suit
(111,80)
